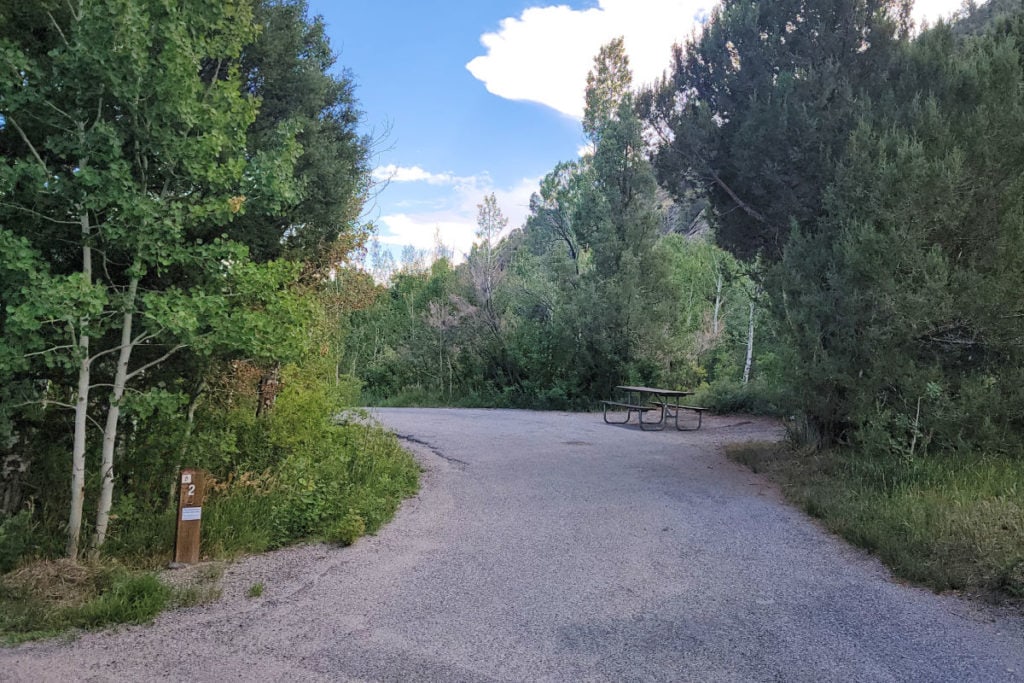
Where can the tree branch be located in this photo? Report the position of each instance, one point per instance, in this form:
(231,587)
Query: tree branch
(57,26)
(747,209)
(159,360)
(47,402)
(24,138)
(44,402)
(143,337)
(77,15)
(50,350)
(37,214)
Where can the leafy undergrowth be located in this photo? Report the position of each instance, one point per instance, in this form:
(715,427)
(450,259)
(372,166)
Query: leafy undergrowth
(340,483)
(348,483)
(951,524)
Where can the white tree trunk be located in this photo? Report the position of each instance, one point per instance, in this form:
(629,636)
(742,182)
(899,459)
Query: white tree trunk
(78,450)
(81,412)
(719,281)
(750,345)
(113,416)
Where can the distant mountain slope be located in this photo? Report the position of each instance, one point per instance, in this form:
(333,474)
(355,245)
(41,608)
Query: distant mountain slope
(979,17)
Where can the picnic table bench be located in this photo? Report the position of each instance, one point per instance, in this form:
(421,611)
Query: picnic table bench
(667,403)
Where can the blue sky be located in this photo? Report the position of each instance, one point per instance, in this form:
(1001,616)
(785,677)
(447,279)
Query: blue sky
(481,96)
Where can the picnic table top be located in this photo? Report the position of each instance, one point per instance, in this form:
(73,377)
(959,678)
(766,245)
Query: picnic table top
(655,390)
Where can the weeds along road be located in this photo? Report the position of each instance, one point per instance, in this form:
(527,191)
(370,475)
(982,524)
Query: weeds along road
(550,546)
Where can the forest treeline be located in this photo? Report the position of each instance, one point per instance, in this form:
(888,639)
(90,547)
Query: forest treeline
(817,211)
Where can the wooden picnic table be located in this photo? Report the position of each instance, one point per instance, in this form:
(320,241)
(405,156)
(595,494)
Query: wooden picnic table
(650,399)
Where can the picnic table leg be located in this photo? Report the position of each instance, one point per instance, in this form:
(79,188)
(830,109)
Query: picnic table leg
(700,420)
(629,412)
(654,426)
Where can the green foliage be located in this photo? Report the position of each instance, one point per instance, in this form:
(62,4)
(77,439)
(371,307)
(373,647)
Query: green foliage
(588,294)
(759,106)
(15,539)
(255,590)
(347,529)
(349,484)
(899,312)
(132,599)
(305,476)
(171,176)
(609,83)
(755,398)
(117,144)
(305,100)
(237,522)
(141,535)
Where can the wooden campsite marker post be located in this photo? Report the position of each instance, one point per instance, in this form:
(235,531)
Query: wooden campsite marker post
(190,516)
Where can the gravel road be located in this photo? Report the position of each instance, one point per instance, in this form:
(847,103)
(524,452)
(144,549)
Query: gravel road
(550,546)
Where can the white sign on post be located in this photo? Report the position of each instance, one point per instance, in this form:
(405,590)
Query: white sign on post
(191,514)
(186,478)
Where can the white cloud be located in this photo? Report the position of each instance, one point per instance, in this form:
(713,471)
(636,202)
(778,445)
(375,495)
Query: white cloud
(413,174)
(456,222)
(417,230)
(933,10)
(544,55)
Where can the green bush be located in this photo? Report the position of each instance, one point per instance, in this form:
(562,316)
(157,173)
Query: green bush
(140,535)
(15,539)
(755,398)
(325,480)
(237,521)
(347,529)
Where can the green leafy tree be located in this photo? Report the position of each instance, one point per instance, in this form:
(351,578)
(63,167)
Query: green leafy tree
(291,70)
(122,156)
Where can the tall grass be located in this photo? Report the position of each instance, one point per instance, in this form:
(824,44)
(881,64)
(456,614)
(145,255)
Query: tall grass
(47,598)
(349,482)
(949,523)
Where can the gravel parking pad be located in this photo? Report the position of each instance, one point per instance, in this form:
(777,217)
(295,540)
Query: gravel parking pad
(550,546)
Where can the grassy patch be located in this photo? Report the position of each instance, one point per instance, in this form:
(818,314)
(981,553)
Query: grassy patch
(255,590)
(347,483)
(47,598)
(947,523)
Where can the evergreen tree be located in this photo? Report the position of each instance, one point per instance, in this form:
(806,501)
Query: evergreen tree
(903,308)
(758,108)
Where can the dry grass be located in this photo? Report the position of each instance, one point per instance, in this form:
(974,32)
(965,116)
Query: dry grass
(50,597)
(58,583)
